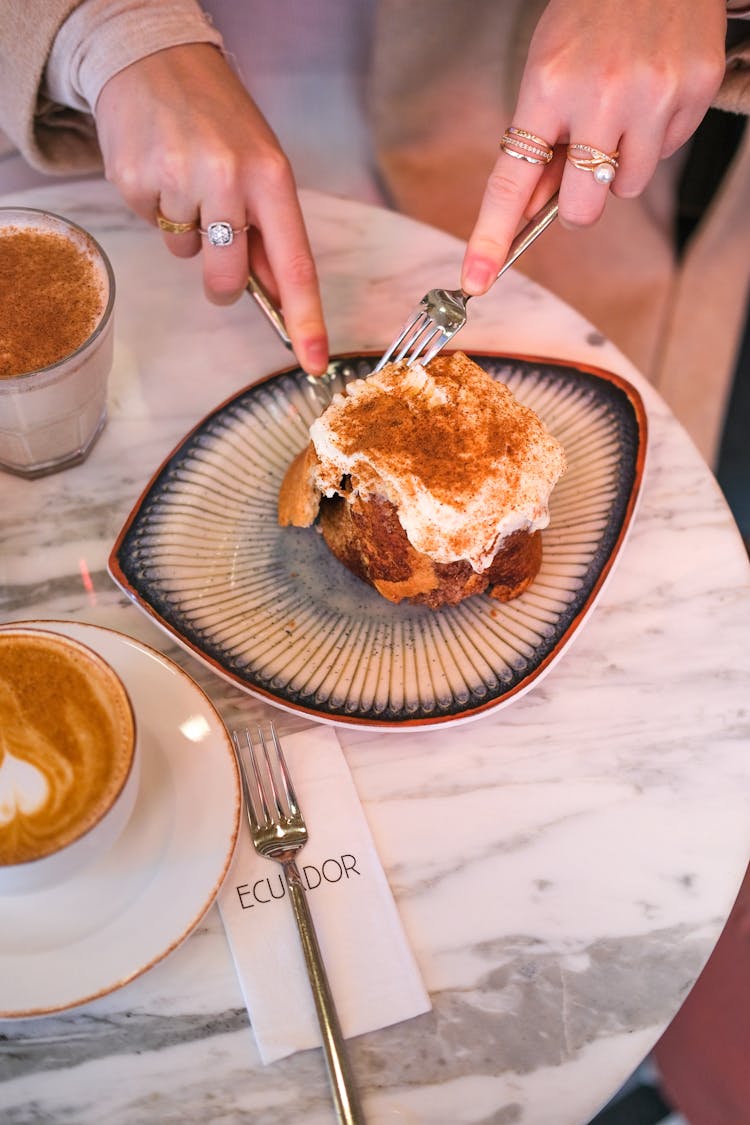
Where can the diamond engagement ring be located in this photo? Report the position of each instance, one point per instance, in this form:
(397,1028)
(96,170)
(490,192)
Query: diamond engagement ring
(603,165)
(222,233)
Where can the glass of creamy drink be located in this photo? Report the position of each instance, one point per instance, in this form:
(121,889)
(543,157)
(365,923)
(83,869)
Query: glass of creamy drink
(69,763)
(57,294)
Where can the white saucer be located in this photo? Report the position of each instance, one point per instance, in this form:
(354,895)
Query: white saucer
(70,944)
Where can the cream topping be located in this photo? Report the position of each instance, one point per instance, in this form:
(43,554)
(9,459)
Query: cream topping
(463,462)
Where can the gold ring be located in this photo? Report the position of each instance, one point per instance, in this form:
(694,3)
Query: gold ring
(603,165)
(171,227)
(523,145)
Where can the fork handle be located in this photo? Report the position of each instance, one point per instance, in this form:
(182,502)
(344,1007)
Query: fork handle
(540,221)
(346,1101)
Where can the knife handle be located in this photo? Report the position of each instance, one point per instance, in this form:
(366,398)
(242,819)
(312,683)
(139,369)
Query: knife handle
(262,298)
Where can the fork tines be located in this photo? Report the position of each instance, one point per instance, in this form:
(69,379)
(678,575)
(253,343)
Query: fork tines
(442,312)
(270,780)
(419,332)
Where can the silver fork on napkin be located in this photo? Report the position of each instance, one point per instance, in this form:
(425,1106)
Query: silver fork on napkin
(442,312)
(279,832)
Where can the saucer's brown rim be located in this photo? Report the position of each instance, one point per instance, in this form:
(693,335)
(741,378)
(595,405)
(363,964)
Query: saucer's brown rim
(31,1013)
(428,722)
(106,314)
(17,627)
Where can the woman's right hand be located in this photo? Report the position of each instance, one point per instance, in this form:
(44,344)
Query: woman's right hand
(628,80)
(180,135)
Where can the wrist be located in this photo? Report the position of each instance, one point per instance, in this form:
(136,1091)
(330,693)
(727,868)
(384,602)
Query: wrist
(102,37)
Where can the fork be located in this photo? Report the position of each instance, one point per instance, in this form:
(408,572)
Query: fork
(442,312)
(279,832)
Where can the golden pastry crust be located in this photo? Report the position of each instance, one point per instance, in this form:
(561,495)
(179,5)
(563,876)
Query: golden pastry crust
(446,441)
(367,537)
(299,498)
(464,462)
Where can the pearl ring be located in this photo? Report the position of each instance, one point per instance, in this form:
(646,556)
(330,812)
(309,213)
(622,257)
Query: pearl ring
(603,165)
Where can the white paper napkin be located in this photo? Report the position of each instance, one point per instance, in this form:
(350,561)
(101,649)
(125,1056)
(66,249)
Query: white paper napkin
(371,969)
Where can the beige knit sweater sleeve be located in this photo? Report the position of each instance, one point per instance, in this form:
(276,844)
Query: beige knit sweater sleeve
(27,32)
(55,55)
(57,137)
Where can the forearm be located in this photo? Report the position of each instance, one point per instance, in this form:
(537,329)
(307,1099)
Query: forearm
(101,37)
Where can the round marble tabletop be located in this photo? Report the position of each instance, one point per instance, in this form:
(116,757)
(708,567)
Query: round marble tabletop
(579,850)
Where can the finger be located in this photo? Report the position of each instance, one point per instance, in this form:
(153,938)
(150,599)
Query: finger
(291,264)
(260,266)
(140,192)
(640,152)
(176,209)
(510,187)
(681,127)
(225,253)
(549,182)
(583,196)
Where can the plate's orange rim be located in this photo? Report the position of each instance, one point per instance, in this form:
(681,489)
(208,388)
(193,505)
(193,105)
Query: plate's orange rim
(32,1013)
(634,398)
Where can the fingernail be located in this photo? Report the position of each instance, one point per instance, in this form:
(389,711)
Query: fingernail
(477,275)
(315,353)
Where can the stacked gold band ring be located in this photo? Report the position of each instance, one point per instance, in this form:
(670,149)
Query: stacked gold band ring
(172,227)
(523,145)
(603,165)
(222,233)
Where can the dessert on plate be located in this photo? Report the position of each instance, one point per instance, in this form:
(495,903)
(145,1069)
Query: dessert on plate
(430,483)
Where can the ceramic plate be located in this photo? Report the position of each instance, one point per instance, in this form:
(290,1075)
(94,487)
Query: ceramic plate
(273,611)
(69,944)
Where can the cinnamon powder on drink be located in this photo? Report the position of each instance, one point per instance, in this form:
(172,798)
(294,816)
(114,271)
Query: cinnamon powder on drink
(50,299)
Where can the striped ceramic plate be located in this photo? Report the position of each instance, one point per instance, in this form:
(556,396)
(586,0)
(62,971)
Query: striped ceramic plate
(274,612)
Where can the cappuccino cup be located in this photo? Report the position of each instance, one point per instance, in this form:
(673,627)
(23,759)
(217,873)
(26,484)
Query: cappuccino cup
(69,765)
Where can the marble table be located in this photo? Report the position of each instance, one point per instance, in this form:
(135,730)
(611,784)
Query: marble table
(599,826)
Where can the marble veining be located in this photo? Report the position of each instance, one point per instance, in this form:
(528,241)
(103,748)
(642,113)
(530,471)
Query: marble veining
(562,868)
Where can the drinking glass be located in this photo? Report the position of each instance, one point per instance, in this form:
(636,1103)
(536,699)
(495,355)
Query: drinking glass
(50,418)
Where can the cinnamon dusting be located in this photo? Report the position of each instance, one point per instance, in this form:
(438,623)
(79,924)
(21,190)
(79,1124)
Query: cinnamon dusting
(443,445)
(50,299)
(462,461)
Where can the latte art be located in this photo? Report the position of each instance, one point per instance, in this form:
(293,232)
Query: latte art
(66,743)
(23,789)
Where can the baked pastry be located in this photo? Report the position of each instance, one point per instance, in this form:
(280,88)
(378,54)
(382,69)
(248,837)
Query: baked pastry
(432,484)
